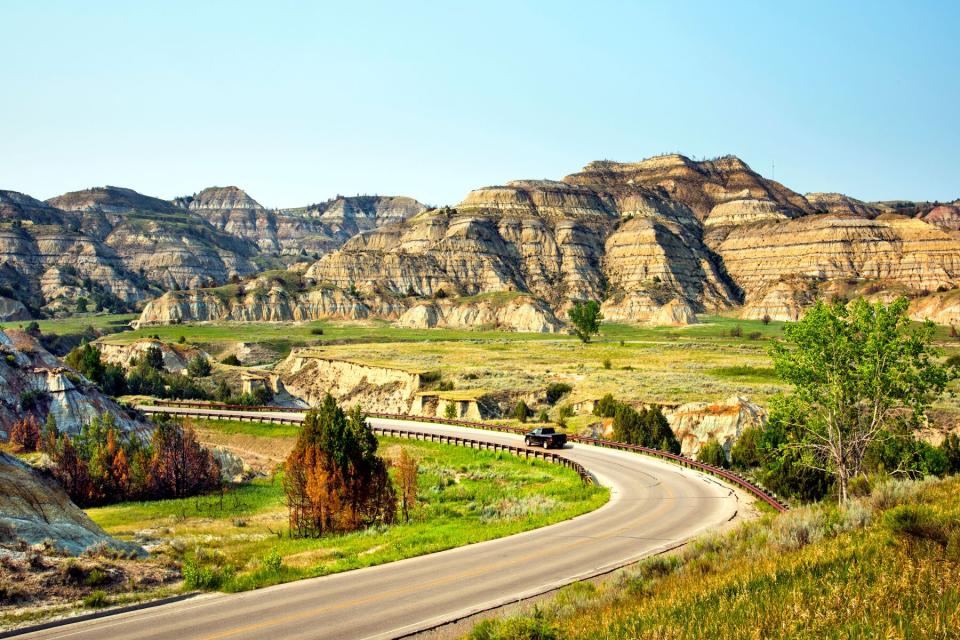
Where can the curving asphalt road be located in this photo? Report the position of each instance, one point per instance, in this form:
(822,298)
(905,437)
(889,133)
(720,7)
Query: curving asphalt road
(654,506)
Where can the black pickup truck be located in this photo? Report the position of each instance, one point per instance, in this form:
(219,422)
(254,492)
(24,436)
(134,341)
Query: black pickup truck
(545,437)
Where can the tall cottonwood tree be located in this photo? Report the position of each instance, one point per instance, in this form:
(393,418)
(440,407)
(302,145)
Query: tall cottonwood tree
(333,479)
(858,371)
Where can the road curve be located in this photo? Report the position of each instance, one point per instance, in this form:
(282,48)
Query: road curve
(653,506)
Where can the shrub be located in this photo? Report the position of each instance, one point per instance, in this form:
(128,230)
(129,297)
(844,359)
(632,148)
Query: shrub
(529,627)
(197,576)
(97,600)
(755,335)
(712,453)
(450,411)
(566,411)
(31,399)
(521,412)
(607,364)
(917,521)
(96,578)
(891,493)
(556,390)
(736,331)
(544,416)
(766,319)
(799,528)
(232,360)
(316,331)
(273,562)
(445,385)
(182,340)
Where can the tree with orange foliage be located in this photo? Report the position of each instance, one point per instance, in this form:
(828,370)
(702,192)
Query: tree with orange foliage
(407,471)
(25,433)
(333,479)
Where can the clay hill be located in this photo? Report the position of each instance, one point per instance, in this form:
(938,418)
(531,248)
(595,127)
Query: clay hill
(117,248)
(34,381)
(657,241)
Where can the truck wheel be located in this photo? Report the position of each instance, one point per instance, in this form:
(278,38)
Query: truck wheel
(546,444)
(526,441)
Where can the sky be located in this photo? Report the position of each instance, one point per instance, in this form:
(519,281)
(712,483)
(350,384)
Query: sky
(296,102)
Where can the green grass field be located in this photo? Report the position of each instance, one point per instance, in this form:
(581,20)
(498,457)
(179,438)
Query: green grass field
(887,567)
(465,496)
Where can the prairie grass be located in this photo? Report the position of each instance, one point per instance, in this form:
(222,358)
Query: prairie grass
(817,572)
(464,496)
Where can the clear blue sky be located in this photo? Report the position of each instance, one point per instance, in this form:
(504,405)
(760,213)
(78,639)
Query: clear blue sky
(296,103)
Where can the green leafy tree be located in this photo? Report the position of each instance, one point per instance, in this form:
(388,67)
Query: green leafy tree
(586,318)
(951,451)
(857,372)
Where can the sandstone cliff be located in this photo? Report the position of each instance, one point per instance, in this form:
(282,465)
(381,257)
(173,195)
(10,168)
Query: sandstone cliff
(33,380)
(176,357)
(35,509)
(784,266)
(696,422)
(517,313)
(308,375)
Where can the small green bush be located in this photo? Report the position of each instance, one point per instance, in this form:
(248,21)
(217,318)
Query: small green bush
(917,521)
(273,562)
(96,578)
(97,600)
(521,412)
(316,331)
(232,360)
(607,364)
(450,411)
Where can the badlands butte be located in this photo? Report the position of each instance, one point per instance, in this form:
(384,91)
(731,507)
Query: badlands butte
(657,242)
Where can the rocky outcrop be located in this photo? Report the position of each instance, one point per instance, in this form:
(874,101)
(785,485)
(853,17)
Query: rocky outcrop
(839,203)
(34,509)
(696,422)
(11,310)
(701,186)
(783,266)
(270,303)
(946,216)
(34,381)
(517,313)
(676,313)
(941,307)
(309,375)
(176,357)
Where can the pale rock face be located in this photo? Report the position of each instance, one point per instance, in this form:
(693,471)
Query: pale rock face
(699,185)
(784,301)
(842,204)
(11,310)
(696,422)
(945,216)
(737,212)
(176,357)
(68,396)
(941,308)
(663,258)
(309,375)
(675,313)
(273,305)
(520,314)
(34,508)
(900,251)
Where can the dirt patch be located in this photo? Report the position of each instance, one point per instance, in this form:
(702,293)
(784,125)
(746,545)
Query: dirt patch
(262,454)
(37,581)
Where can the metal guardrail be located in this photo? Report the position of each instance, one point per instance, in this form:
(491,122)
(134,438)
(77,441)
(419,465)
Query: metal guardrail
(524,452)
(725,474)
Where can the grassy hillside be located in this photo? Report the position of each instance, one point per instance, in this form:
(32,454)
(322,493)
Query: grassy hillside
(888,566)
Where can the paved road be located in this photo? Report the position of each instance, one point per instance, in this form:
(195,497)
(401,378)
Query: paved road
(653,506)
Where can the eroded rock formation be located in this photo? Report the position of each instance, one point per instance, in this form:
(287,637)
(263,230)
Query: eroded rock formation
(35,509)
(33,380)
